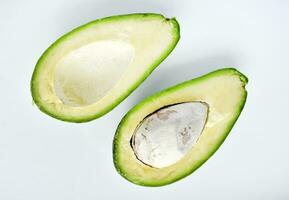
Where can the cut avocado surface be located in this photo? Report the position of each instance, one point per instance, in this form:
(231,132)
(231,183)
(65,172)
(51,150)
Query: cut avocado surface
(170,134)
(90,70)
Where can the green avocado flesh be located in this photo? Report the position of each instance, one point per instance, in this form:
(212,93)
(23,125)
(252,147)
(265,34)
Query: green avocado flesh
(170,134)
(90,70)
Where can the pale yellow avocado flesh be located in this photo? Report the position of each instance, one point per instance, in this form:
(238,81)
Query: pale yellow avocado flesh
(224,92)
(85,75)
(90,70)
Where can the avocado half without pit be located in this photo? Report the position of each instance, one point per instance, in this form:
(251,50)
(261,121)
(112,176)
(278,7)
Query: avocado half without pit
(170,134)
(90,70)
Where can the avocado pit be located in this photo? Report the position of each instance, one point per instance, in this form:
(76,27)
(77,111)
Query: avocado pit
(165,136)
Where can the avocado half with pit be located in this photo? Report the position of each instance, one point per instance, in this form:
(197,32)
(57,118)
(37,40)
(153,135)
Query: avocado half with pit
(90,70)
(170,134)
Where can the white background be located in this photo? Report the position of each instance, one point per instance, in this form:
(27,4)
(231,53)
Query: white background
(42,158)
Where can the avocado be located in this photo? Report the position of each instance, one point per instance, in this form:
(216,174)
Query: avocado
(90,70)
(169,135)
